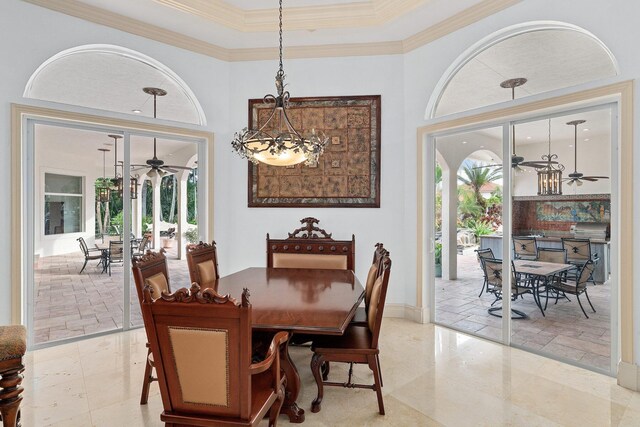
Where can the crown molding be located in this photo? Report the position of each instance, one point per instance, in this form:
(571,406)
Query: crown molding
(353,15)
(133,26)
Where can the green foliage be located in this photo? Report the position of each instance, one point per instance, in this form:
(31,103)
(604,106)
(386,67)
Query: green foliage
(478,227)
(496,197)
(116,224)
(438,253)
(475,176)
(146,221)
(467,204)
(192,235)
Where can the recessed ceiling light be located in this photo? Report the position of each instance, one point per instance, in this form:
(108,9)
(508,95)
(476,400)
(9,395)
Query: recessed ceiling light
(585,130)
(528,137)
(136,111)
(571,145)
(464,142)
(482,146)
(586,139)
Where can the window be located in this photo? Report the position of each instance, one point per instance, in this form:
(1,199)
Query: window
(63,201)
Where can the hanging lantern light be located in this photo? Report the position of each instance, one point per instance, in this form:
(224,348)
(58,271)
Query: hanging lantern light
(550,175)
(103,191)
(119,178)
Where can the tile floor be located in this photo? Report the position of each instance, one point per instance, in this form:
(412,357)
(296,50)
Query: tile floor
(69,304)
(564,332)
(433,376)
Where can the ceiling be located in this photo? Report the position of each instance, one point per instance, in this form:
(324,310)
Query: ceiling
(242,24)
(57,139)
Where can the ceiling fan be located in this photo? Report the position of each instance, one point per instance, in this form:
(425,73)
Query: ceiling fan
(577,177)
(156,165)
(517,162)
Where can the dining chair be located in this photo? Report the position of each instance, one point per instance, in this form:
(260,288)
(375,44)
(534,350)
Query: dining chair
(311,247)
(150,270)
(141,247)
(90,254)
(579,253)
(202,343)
(482,254)
(360,316)
(493,272)
(13,346)
(557,256)
(202,259)
(359,344)
(525,247)
(115,254)
(577,287)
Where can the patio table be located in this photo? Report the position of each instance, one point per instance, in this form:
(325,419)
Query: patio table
(540,272)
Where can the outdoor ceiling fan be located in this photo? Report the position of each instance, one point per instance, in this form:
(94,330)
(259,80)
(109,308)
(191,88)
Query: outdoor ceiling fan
(156,165)
(577,177)
(517,162)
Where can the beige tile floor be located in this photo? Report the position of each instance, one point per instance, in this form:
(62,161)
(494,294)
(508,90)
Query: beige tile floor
(564,331)
(69,304)
(433,376)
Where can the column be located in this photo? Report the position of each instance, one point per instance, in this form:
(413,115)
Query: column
(155,185)
(182,213)
(449,224)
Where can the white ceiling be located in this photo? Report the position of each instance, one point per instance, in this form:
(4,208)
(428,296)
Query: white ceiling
(62,139)
(379,20)
(549,60)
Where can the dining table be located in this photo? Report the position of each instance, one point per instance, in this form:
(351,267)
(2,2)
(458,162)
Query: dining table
(540,272)
(298,301)
(104,247)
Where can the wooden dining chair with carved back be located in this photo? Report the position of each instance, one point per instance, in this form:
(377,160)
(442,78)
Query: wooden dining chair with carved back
(202,341)
(202,259)
(311,247)
(358,345)
(150,270)
(360,316)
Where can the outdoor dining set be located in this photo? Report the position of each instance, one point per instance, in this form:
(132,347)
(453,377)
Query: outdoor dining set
(543,273)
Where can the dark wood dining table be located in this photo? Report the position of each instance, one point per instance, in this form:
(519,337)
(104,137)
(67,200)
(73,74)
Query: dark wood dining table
(540,272)
(304,301)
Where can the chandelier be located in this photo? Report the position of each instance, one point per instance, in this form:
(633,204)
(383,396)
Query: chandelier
(550,175)
(118,179)
(277,142)
(103,190)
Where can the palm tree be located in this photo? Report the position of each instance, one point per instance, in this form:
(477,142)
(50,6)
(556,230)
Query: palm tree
(475,176)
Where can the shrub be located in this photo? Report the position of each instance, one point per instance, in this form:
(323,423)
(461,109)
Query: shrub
(192,235)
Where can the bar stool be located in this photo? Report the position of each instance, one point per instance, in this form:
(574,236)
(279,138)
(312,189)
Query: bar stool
(13,344)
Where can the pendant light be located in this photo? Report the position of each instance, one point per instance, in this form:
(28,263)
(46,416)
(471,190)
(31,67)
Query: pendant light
(118,178)
(550,175)
(277,142)
(103,190)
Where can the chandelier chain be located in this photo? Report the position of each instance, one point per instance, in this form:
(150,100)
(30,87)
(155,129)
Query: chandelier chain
(281,69)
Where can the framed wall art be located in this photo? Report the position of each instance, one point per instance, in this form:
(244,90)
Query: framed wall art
(347,174)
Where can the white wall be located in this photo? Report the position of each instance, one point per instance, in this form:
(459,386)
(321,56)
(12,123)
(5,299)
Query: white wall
(242,240)
(31,35)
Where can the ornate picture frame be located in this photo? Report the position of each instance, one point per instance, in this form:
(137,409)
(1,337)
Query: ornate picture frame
(348,173)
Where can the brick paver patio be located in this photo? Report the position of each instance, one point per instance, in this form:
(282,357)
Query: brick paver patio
(564,332)
(68,304)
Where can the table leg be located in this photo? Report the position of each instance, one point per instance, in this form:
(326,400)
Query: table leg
(290,408)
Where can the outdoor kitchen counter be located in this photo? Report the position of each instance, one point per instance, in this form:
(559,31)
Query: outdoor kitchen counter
(598,246)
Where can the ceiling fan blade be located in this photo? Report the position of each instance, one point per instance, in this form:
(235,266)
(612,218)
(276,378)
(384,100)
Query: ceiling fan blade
(595,177)
(538,163)
(169,169)
(496,165)
(178,167)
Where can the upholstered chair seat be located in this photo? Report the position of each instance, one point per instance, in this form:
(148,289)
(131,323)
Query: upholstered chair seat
(13,344)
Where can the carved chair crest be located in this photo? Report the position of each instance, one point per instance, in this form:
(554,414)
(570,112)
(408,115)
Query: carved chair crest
(309,230)
(197,295)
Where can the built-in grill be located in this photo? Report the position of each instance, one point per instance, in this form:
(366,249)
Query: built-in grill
(591,230)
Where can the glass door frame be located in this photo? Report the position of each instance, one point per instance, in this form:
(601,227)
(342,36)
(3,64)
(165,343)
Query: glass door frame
(29,179)
(428,217)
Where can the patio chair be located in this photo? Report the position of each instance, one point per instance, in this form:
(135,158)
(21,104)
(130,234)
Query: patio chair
(579,253)
(115,254)
(89,254)
(577,287)
(557,256)
(525,247)
(202,344)
(141,247)
(359,345)
(493,272)
(482,254)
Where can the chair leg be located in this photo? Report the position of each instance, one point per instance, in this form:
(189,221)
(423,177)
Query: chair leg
(379,369)
(587,294)
(85,264)
(316,362)
(275,408)
(579,302)
(373,365)
(484,284)
(326,368)
(148,378)
(10,396)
